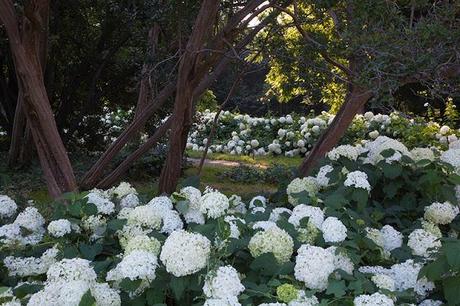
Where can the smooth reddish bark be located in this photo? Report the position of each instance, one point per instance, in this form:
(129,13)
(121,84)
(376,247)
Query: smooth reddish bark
(183,104)
(25,47)
(355,101)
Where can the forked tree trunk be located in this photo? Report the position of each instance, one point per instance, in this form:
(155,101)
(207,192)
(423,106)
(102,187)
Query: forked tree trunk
(203,78)
(332,135)
(25,49)
(183,105)
(116,174)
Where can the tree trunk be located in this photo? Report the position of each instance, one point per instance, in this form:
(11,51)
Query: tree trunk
(183,105)
(91,177)
(144,86)
(116,174)
(25,49)
(332,135)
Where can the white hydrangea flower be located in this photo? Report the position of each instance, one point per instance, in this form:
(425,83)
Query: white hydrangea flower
(8,207)
(130,231)
(31,266)
(258,201)
(104,206)
(104,295)
(277,212)
(313,266)
(30,219)
(315,215)
(373,300)
(357,179)
(124,189)
(420,241)
(383,281)
(263,225)
(193,195)
(321,177)
(419,154)
(347,151)
(432,228)
(223,283)
(137,264)
(298,185)
(431,303)
(95,224)
(214,204)
(382,143)
(143,243)
(452,157)
(375,235)
(171,222)
(146,216)
(441,213)
(341,260)
(130,200)
(272,240)
(194,216)
(59,228)
(333,230)
(185,253)
(391,238)
(227,301)
(374,134)
(74,269)
(60,293)
(232,222)
(237,206)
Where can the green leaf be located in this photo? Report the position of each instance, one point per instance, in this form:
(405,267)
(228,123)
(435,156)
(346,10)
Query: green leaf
(360,195)
(266,264)
(178,285)
(26,289)
(193,181)
(89,251)
(451,287)
(154,296)
(75,210)
(70,251)
(392,171)
(3,290)
(87,299)
(452,251)
(182,206)
(116,224)
(130,285)
(436,269)
(335,201)
(337,288)
(89,209)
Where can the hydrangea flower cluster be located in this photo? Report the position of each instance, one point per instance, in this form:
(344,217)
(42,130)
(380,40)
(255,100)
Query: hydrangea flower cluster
(293,135)
(185,253)
(272,240)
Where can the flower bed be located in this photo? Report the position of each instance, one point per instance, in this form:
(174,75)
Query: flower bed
(376,225)
(294,135)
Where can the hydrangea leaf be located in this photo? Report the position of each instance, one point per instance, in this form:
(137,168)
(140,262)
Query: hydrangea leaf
(87,299)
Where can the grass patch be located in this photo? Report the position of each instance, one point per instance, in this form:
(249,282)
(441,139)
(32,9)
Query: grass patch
(211,176)
(246,159)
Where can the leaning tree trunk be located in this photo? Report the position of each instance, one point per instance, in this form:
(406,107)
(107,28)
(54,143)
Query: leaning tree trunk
(24,46)
(355,101)
(145,89)
(20,149)
(183,104)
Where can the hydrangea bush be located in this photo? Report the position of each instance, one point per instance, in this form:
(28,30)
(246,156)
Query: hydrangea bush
(294,135)
(377,224)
